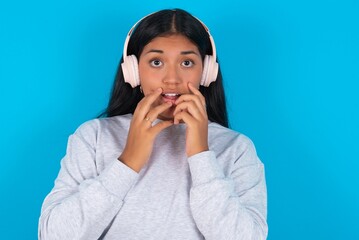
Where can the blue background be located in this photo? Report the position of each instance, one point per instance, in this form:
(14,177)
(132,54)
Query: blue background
(291,78)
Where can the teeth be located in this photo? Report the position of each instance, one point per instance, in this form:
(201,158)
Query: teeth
(171,94)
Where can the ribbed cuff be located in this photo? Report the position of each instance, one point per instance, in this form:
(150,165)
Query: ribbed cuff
(118,178)
(204,168)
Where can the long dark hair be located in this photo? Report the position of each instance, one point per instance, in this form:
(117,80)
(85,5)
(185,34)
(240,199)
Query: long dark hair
(124,98)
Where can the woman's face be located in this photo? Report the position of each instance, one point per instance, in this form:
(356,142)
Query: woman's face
(170,63)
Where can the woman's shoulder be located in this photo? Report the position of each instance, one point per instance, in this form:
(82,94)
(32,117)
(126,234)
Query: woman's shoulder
(218,130)
(93,126)
(232,147)
(224,137)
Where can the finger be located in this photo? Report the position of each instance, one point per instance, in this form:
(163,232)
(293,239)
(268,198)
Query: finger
(196,92)
(156,129)
(190,98)
(198,99)
(191,108)
(153,113)
(183,116)
(145,104)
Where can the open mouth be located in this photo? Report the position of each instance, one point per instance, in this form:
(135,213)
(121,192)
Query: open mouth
(170,97)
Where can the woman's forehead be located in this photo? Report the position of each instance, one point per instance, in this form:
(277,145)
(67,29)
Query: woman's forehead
(179,42)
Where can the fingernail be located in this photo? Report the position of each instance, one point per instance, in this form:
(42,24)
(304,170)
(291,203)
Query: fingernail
(159,89)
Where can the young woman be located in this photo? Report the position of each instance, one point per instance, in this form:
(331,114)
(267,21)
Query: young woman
(161,163)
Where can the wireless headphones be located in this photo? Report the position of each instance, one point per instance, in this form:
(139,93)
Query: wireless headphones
(130,63)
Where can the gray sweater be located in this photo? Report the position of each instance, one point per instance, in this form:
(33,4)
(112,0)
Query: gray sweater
(217,194)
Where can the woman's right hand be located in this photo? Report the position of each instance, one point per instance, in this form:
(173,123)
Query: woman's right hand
(142,133)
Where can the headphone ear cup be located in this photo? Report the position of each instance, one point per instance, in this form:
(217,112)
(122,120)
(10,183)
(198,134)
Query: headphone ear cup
(130,70)
(210,70)
(205,71)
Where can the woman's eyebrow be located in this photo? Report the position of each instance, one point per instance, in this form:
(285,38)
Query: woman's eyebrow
(189,52)
(154,51)
(161,51)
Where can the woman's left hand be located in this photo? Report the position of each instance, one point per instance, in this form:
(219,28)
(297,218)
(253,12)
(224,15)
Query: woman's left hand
(191,109)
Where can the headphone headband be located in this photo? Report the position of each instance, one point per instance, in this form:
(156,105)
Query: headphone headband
(214,52)
(130,33)
(130,63)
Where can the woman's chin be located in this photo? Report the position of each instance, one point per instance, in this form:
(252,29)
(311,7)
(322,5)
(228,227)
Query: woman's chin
(167,115)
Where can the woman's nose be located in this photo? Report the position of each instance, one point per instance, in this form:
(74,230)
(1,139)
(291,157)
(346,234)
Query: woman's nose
(172,75)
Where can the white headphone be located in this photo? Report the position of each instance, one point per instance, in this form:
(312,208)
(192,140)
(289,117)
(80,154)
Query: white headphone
(130,63)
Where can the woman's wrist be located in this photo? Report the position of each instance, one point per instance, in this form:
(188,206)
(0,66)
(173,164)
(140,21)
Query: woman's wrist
(135,167)
(197,151)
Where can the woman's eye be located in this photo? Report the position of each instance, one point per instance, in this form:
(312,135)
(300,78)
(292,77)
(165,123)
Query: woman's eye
(187,63)
(156,63)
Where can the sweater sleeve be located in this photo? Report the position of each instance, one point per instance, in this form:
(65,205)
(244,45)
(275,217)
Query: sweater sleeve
(233,206)
(81,196)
